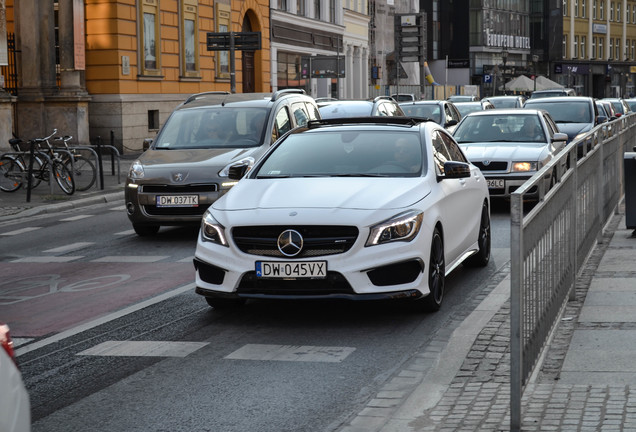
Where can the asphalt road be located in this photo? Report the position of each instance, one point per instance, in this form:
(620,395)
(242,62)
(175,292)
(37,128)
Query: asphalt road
(101,353)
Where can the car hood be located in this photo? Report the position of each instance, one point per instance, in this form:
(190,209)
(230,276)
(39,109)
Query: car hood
(329,193)
(192,165)
(573,129)
(503,151)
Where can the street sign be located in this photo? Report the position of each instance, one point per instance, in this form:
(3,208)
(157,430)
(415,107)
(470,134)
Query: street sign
(323,67)
(242,41)
(487,79)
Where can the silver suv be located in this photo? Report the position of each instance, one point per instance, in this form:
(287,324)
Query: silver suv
(185,168)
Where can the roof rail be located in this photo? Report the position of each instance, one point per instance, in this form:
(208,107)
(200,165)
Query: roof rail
(377,98)
(400,120)
(200,95)
(280,93)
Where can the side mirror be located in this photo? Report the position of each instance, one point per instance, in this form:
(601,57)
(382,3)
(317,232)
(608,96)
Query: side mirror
(450,123)
(455,170)
(559,136)
(146,144)
(236,172)
(601,119)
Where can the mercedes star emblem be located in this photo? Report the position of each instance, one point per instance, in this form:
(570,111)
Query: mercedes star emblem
(290,243)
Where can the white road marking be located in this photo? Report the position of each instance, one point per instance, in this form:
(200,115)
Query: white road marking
(47,259)
(74,218)
(118,208)
(70,247)
(186,260)
(132,258)
(21,231)
(303,353)
(103,320)
(144,349)
(128,232)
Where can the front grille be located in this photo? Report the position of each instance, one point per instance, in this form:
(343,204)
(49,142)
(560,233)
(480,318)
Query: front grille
(334,283)
(492,166)
(176,211)
(317,240)
(181,189)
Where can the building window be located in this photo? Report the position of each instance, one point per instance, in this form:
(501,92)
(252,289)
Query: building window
(575,51)
(611,12)
(617,55)
(153,120)
(282,5)
(601,54)
(602,12)
(332,11)
(594,10)
(633,50)
(149,32)
(618,12)
(189,32)
(576,8)
(583,11)
(565,46)
(583,53)
(627,14)
(223,16)
(300,7)
(610,51)
(317,9)
(593,47)
(565,7)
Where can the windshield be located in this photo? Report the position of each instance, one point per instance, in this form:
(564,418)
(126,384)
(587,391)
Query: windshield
(566,112)
(429,111)
(465,108)
(359,153)
(213,127)
(500,128)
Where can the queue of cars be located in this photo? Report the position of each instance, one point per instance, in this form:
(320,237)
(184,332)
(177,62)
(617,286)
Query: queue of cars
(365,199)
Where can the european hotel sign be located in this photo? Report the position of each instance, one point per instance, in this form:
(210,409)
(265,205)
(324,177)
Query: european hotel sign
(507,41)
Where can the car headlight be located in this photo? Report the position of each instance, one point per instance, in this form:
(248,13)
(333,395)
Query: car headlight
(402,227)
(212,231)
(247,160)
(136,170)
(524,166)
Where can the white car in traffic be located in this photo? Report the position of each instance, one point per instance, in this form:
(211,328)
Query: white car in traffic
(371,208)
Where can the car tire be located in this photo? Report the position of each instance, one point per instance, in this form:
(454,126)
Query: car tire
(146,230)
(482,257)
(225,303)
(436,274)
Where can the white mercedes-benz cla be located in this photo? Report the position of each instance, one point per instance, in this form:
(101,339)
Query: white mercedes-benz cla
(357,208)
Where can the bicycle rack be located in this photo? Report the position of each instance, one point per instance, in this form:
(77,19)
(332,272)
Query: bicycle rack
(96,155)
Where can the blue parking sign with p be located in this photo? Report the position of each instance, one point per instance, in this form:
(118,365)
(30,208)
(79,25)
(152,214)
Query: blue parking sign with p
(487,78)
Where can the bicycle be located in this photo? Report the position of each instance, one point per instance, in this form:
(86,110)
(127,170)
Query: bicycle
(84,171)
(14,168)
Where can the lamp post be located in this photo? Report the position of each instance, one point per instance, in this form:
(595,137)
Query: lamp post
(504,56)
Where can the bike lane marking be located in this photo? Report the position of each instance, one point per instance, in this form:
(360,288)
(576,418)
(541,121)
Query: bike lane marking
(21,231)
(54,297)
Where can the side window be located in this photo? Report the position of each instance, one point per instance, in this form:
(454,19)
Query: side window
(552,127)
(453,149)
(282,124)
(440,153)
(382,110)
(314,114)
(300,113)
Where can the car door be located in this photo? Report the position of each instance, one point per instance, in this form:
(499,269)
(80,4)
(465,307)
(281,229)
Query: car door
(460,205)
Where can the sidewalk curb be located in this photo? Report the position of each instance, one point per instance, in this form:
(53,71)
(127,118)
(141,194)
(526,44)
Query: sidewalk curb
(68,205)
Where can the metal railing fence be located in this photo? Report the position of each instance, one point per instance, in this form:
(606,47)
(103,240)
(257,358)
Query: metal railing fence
(551,241)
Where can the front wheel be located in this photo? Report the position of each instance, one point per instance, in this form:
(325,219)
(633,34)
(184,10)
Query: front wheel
(436,274)
(10,174)
(84,172)
(145,230)
(64,177)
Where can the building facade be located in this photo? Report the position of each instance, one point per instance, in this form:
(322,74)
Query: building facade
(115,69)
